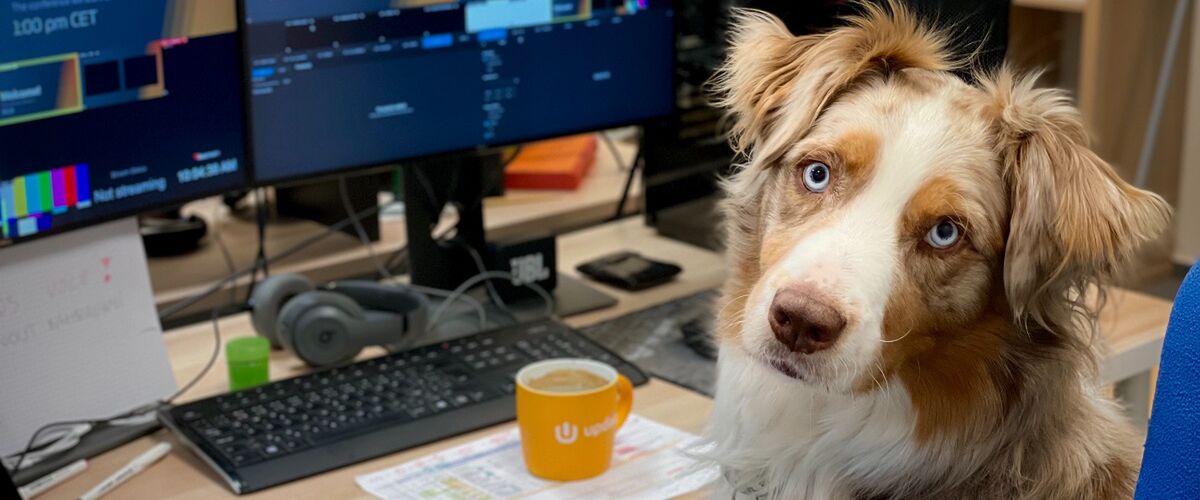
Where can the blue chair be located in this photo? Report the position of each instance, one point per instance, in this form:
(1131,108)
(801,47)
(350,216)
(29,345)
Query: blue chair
(1171,465)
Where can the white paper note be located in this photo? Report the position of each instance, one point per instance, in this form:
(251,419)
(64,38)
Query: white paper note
(648,463)
(79,335)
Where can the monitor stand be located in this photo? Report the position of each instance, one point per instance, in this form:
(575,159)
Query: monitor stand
(463,182)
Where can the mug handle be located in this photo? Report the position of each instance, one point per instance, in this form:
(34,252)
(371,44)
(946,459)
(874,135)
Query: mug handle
(624,399)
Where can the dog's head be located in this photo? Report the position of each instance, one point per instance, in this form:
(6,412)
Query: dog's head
(893,220)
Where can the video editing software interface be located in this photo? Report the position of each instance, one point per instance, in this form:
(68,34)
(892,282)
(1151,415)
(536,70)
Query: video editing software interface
(336,84)
(111,107)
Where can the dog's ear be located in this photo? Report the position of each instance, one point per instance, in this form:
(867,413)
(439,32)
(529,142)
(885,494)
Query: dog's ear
(1074,220)
(775,84)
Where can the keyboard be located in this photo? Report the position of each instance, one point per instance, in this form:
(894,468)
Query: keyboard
(293,428)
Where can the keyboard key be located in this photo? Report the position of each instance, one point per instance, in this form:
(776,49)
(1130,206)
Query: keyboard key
(245,458)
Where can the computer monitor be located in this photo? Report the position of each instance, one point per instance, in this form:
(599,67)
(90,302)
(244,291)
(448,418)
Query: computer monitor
(342,84)
(110,108)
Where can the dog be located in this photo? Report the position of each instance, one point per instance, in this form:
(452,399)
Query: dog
(912,258)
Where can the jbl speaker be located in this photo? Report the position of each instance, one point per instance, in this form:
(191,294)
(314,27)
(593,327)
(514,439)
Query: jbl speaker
(528,261)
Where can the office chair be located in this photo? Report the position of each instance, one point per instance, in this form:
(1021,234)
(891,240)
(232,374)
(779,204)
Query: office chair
(1170,466)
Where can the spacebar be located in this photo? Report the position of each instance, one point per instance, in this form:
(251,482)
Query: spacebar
(356,444)
(341,433)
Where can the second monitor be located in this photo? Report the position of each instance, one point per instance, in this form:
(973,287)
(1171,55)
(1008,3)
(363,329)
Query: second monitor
(339,85)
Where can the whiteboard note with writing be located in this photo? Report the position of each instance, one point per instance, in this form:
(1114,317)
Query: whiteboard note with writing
(79,335)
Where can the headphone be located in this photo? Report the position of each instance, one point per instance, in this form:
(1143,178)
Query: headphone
(331,325)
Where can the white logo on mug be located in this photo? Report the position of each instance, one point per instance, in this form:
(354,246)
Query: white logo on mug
(565,433)
(601,427)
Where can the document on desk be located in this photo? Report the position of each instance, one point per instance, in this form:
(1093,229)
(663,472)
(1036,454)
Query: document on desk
(79,336)
(492,468)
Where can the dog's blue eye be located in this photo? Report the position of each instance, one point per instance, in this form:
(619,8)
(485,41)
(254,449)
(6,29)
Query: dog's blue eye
(816,176)
(943,235)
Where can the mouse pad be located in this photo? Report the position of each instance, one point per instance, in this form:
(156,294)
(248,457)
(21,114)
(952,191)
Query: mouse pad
(653,339)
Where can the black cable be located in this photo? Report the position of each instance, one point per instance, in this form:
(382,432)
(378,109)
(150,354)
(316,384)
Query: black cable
(360,230)
(612,149)
(632,170)
(260,258)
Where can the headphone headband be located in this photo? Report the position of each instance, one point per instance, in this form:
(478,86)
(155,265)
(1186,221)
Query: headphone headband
(370,314)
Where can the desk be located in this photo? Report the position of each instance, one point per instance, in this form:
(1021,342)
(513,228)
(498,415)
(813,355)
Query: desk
(1133,325)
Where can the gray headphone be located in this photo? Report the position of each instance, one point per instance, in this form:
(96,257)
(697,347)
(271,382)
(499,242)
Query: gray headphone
(330,326)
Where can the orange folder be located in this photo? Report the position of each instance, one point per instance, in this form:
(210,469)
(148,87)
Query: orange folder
(552,164)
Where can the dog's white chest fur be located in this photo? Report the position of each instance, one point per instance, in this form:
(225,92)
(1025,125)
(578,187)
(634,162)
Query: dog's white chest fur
(775,438)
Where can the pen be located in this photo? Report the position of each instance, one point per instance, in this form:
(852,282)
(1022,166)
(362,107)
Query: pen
(40,485)
(131,469)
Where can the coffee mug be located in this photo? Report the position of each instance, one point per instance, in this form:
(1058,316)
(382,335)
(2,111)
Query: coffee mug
(567,432)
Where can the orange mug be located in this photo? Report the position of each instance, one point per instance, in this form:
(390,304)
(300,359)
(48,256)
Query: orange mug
(566,436)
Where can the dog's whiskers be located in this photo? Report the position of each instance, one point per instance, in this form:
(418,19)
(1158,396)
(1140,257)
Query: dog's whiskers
(898,338)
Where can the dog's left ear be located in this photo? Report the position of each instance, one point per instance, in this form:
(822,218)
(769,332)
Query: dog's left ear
(775,84)
(1074,220)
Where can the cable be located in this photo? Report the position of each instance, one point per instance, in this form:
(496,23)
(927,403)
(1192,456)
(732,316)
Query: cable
(136,411)
(634,167)
(288,252)
(482,268)
(612,149)
(490,275)
(260,257)
(32,439)
(362,232)
(383,272)
(212,359)
(216,236)
(437,292)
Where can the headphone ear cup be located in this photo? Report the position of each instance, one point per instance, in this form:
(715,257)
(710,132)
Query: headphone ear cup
(268,299)
(320,328)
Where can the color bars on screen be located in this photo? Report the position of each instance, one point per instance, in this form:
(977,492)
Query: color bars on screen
(28,202)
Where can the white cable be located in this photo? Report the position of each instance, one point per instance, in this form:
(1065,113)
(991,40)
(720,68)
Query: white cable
(383,271)
(437,292)
(492,292)
(490,275)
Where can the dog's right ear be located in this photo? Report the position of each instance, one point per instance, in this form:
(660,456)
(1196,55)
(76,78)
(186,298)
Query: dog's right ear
(775,84)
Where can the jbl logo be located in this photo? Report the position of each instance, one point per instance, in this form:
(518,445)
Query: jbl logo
(529,268)
(565,433)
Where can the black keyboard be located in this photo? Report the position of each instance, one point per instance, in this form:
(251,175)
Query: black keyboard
(293,428)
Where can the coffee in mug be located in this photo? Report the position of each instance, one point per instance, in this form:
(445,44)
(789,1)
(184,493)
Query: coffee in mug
(568,411)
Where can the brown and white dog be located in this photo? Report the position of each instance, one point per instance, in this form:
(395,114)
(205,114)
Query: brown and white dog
(910,255)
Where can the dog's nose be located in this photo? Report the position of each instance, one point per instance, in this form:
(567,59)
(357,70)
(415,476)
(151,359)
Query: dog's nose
(804,320)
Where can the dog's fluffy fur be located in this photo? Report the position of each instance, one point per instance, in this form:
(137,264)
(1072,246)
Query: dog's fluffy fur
(968,372)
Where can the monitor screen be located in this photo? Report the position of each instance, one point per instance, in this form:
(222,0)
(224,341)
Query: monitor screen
(342,84)
(113,107)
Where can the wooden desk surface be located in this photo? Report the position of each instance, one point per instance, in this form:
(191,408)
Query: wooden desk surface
(182,475)
(1130,323)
